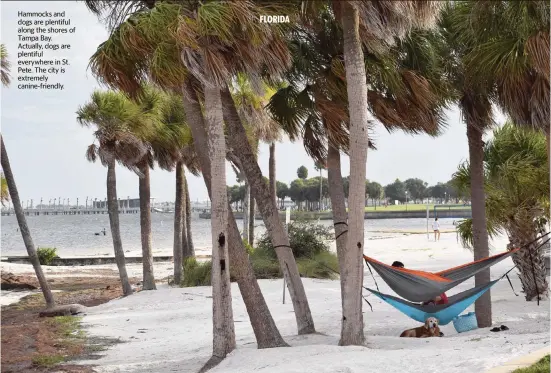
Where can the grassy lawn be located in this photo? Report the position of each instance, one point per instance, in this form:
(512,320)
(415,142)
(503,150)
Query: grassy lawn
(413,207)
(541,366)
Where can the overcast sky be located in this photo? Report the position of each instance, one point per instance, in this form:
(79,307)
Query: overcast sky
(46,145)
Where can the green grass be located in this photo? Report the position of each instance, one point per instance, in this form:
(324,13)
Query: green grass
(47,361)
(541,366)
(69,336)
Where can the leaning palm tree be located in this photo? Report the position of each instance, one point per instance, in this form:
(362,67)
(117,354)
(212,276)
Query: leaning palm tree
(127,70)
(260,128)
(517,199)
(23,227)
(273,46)
(115,119)
(14,194)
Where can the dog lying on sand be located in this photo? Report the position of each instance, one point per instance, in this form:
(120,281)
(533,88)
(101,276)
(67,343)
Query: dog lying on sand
(430,329)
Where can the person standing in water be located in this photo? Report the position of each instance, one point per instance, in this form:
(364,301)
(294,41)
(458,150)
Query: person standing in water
(436,229)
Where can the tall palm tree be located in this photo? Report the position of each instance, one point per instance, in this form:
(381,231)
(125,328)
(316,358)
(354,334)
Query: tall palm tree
(517,199)
(23,227)
(273,46)
(172,149)
(127,71)
(475,103)
(8,182)
(115,118)
(260,127)
(406,93)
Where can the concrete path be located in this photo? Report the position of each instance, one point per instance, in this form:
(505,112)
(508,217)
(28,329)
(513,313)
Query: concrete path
(521,362)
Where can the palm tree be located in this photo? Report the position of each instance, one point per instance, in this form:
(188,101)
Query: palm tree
(475,103)
(172,149)
(400,17)
(273,47)
(407,93)
(517,199)
(5,66)
(24,228)
(260,127)
(126,71)
(115,119)
(8,182)
(511,51)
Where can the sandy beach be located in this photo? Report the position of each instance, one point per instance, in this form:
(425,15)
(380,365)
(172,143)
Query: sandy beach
(171,329)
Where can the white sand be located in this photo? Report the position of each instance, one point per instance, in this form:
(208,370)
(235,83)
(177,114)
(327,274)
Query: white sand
(170,330)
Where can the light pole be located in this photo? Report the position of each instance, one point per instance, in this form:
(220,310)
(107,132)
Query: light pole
(406,200)
(86,203)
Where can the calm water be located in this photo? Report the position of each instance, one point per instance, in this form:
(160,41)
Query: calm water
(73,235)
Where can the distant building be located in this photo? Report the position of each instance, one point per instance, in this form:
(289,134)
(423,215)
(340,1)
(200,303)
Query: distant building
(128,203)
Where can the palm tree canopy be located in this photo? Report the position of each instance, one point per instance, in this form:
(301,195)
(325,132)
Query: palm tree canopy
(119,131)
(5,66)
(516,180)
(508,47)
(406,86)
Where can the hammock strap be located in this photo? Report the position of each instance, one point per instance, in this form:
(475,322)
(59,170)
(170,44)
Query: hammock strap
(510,283)
(340,234)
(375,281)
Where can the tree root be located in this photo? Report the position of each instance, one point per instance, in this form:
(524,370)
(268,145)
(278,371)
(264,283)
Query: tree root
(65,310)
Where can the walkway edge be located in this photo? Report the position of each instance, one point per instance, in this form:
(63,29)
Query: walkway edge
(521,362)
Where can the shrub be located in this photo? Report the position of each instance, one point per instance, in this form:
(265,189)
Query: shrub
(306,239)
(196,273)
(46,255)
(323,266)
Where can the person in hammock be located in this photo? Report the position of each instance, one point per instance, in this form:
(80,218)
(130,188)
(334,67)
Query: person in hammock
(440,299)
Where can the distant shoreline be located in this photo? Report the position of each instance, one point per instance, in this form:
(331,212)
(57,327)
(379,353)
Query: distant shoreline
(327,215)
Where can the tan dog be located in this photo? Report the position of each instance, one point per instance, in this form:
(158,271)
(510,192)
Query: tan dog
(430,329)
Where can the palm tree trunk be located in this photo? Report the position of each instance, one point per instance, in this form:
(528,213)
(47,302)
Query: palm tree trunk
(264,328)
(178,215)
(272,172)
(270,214)
(23,227)
(483,306)
(145,227)
(530,262)
(246,211)
(252,218)
(188,218)
(340,217)
(352,321)
(222,313)
(113,210)
(185,239)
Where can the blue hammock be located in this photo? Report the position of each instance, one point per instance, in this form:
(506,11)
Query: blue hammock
(445,313)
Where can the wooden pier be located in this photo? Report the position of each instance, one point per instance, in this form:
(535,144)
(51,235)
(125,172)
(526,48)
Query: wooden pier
(69,211)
